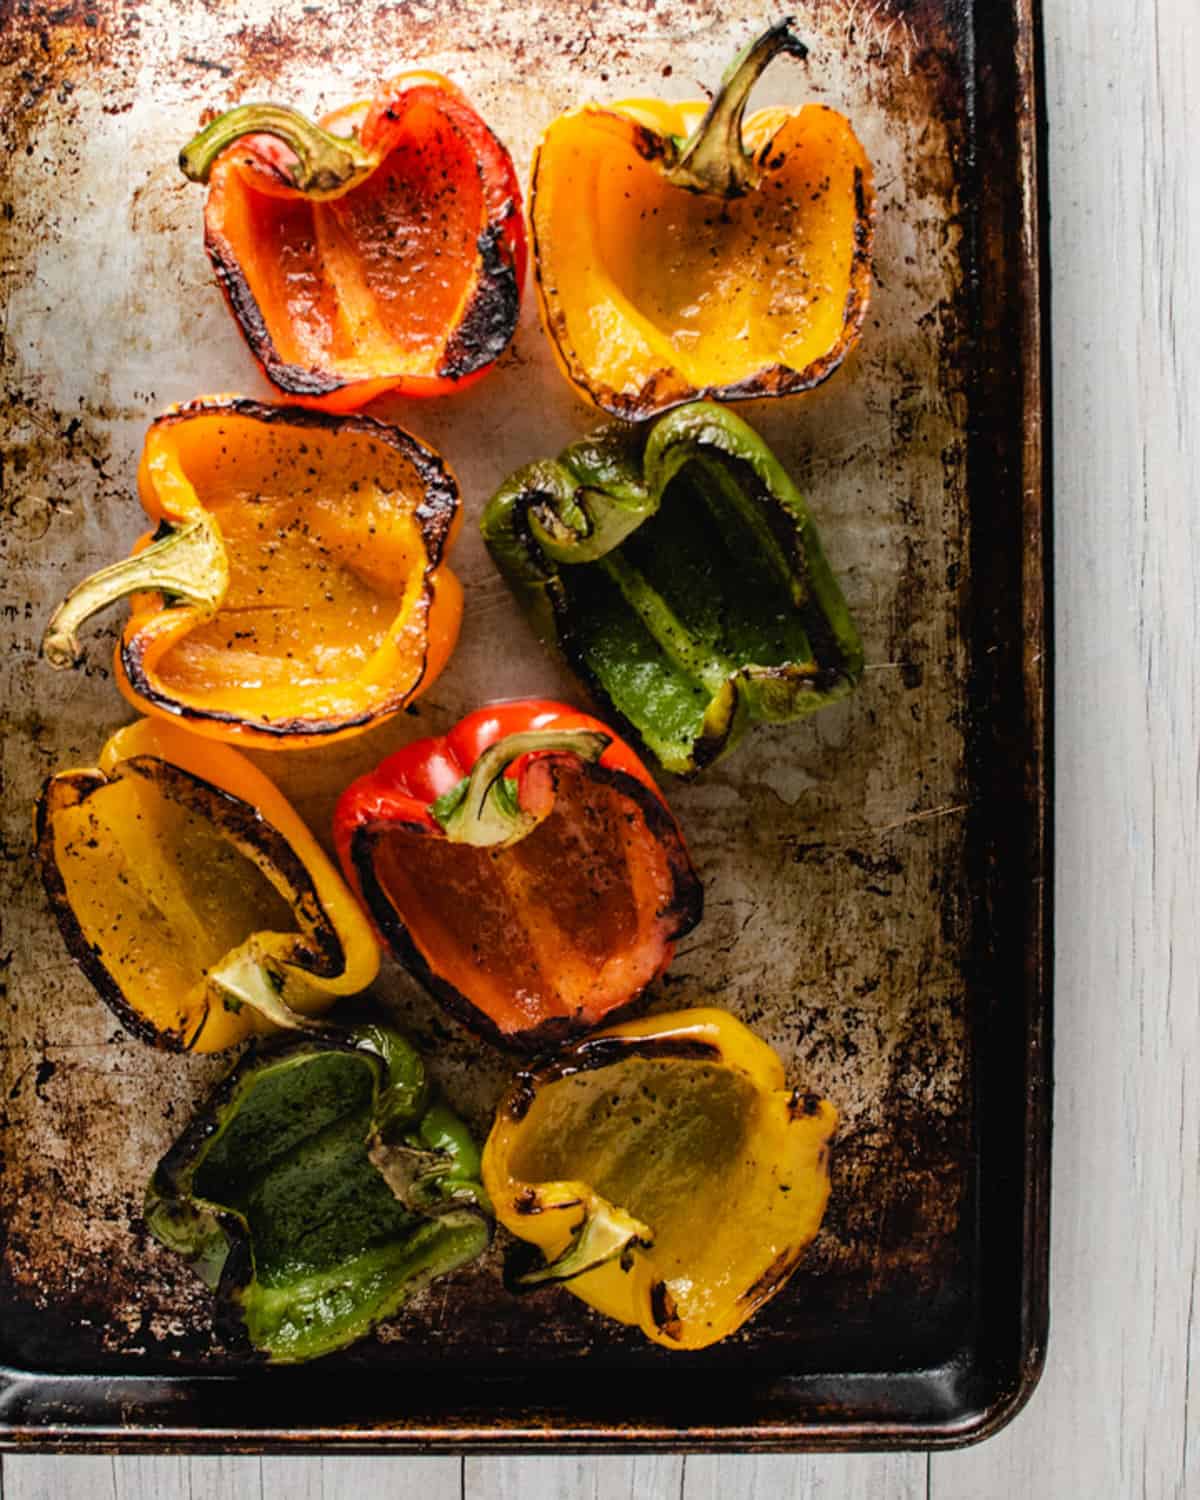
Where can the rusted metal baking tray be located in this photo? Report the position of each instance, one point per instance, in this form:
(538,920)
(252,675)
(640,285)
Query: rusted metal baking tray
(876,876)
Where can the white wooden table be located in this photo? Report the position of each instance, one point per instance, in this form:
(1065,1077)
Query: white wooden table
(1111,1417)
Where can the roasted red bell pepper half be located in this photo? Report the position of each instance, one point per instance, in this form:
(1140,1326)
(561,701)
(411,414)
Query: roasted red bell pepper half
(524,867)
(382,250)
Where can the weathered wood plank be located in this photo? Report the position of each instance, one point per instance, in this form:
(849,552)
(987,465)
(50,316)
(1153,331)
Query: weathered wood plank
(1112,1418)
(896,1476)
(38,1478)
(133,1478)
(224,1478)
(306,1478)
(554,1478)
(205,1479)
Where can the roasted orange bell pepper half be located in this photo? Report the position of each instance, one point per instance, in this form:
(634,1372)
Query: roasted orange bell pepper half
(665,1171)
(524,867)
(294,589)
(192,896)
(684,251)
(383,250)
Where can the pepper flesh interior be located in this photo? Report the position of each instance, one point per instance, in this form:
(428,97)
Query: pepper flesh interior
(321,560)
(368,280)
(641,274)
(699,561)
(314,1215)
(647,1136)
(559,924)
(161,896)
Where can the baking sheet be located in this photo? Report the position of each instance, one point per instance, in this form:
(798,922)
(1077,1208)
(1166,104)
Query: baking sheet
(864,870)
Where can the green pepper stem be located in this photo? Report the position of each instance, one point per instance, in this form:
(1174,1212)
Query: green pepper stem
(325,164)
(482,809)
(190,563)
(713,159)
(405,1093)
(441,1130)
(435,1168)
(188,1229)
(606,1233)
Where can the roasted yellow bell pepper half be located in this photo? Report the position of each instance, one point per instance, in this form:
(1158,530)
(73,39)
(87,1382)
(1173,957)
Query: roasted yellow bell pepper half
(665,1171)
(192,895)
(684,251)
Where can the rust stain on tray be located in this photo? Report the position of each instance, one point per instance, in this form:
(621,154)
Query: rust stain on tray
(833,853)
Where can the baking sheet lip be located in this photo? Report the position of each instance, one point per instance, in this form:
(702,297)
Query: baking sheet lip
(863,1437)
(802,1437)
(1038,682)
(966,1421)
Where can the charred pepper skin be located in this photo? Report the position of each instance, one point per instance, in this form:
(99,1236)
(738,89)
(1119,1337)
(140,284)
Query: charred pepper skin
(665,1172)
(286,540)
(681,253)
(404,236)
(682,577)
(524,867)
(149,861)
(320,1187)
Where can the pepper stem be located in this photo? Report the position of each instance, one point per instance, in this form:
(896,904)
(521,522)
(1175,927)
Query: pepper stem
(245,977)
(325,164)
(713,159)
(606,1233)
(190,564)
(483,810)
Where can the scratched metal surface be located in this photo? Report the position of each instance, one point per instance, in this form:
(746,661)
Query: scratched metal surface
(837,917)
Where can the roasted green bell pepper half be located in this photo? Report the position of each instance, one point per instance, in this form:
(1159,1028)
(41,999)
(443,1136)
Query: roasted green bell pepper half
(321,1186)
(681,576)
